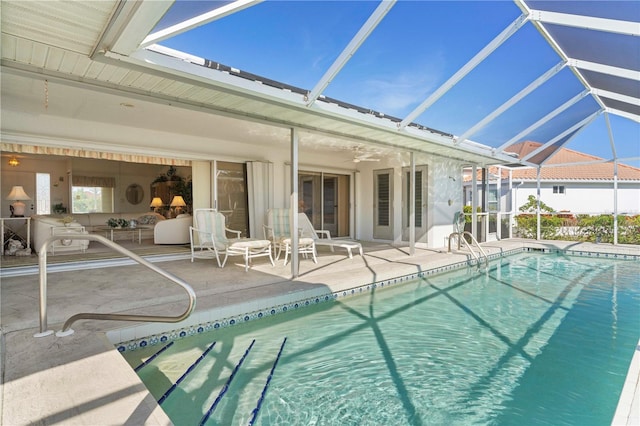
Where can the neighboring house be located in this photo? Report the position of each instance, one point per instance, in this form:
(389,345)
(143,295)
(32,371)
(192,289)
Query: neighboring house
(570,181)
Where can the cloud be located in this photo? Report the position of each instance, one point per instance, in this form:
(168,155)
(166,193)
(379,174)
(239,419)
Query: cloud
(397,94)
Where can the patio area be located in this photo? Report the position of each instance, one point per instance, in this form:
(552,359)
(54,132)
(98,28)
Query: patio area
(82,379)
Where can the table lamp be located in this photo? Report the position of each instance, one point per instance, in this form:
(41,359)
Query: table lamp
(156,203)
(178,203)
(17,194)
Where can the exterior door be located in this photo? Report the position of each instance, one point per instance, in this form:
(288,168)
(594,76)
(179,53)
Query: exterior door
(383,204)
(324,198)
(231,199)
(420,203)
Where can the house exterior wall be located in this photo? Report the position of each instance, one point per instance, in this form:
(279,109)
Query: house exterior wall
(588,198)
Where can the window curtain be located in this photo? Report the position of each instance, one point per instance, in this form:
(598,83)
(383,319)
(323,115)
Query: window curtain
(94,181)
(83,153)
(260,188)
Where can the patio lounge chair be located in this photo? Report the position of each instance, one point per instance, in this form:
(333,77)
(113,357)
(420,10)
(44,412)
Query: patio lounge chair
(209,240)
(309,231)
(278,231)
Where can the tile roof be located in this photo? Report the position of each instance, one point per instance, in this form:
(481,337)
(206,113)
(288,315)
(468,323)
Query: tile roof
(594,171)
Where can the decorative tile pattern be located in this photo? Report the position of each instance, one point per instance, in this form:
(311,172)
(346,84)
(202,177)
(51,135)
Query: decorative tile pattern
(275,310)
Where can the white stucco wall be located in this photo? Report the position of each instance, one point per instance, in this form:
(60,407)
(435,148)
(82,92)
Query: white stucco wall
(588,198)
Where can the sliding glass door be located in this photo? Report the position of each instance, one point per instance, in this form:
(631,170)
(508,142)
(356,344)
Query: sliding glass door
(231,182)
(324,198)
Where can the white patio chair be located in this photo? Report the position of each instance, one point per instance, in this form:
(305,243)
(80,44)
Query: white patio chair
(308,231)
(209,239)
(278,231)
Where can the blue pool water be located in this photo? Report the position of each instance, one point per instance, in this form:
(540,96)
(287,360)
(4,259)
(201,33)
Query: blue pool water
(538,339)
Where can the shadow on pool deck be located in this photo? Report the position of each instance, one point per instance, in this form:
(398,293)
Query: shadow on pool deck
(81,379)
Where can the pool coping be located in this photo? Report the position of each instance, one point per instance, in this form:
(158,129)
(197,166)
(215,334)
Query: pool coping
(147,334)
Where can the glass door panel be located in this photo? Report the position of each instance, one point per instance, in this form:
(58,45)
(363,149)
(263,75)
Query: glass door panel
(324,198)
(232,195)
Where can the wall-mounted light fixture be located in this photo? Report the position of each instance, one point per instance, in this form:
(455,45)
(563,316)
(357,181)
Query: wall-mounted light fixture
(14,162)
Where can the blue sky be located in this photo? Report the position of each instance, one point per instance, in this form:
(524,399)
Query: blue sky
(414,50)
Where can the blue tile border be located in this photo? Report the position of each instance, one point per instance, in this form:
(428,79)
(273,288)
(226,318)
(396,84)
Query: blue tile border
(300,304)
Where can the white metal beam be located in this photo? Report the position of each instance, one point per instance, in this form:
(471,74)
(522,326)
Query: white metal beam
(197,21)
(587,22)
(466,69)
(129,25)
(611,140)
(624,114)
(543,120)
(376,17)
(617,96)
(515,99)
(604,69)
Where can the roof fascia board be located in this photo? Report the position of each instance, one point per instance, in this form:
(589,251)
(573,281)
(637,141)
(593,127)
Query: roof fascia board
(466,69)
(515,99)
(197,21)
(544,120)
(181,70)
(129,25)
(604,69)
(586,22)
(63,78)
(566,132)
(376,17)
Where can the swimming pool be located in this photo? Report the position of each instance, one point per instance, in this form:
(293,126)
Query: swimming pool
(541,339)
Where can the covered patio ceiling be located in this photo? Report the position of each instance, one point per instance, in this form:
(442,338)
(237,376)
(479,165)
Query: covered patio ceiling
(528,70)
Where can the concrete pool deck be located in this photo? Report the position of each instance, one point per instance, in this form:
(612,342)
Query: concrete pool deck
(82,380)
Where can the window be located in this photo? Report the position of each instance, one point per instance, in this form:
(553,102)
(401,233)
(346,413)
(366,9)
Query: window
(492,202)
(558,189)
(92,199)
(43,193)
(92,194)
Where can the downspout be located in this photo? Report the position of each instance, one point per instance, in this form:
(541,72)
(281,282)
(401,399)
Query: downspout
(615,201)
(412,207)
(499,209)
(295,270)
(485,218)
(474,200)
(538,172)
(511,201)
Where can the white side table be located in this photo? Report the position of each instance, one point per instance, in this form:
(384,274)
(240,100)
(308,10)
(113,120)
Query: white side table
(67,243)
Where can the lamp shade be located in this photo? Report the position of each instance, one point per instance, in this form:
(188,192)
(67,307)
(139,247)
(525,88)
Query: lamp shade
(17,194)
(156,202)
(178,201)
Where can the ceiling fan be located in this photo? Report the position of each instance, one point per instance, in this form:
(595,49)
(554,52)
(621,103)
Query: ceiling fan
(359,155)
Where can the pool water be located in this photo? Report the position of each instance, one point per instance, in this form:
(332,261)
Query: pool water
(538,339)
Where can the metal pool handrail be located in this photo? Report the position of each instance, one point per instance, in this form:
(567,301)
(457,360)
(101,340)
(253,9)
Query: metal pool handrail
(42,262)
(460,236)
